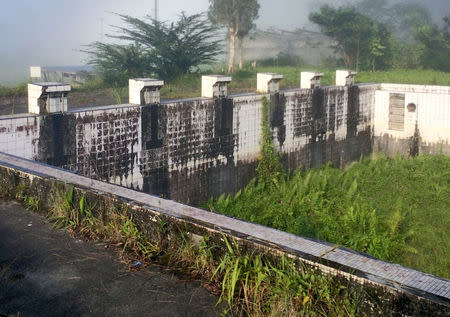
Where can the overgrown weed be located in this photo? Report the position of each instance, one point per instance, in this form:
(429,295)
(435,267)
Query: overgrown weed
(395,209)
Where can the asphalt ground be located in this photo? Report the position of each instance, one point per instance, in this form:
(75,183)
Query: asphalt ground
(47,272)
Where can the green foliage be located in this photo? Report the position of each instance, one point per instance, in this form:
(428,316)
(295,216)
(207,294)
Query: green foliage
(394,209)
(407,18)
(434,46)
(238,17)
(15,91)
(254,285)
(117,63)
(269,167)
(282,59)
(155,48)
(365,43)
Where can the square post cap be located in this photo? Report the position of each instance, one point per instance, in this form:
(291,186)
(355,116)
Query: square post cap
(215,86)
(310,80)
(268,82)
(144,90)
(47,97)
(345,77)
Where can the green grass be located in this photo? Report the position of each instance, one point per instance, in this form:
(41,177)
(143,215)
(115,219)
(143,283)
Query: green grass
(245,80)
(396,209)
(189,85)
(406,76)
(19,90)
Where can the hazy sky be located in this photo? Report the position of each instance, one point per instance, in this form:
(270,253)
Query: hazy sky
(51,32)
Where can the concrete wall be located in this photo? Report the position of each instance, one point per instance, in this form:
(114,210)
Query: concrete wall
(19,135)
(192,149)
(385,289)
(189,150)
(426,124)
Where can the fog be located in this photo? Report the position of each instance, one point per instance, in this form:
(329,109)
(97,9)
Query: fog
(51,32)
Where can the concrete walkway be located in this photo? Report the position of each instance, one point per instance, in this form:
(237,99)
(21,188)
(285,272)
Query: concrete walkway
(46,272)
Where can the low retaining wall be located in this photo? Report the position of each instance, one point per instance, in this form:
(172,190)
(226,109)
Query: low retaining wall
(389,289)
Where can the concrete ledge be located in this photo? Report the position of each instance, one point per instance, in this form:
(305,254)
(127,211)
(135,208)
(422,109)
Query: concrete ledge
(345,77)
(417,293)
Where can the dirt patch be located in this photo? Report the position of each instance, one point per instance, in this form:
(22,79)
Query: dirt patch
(47,272)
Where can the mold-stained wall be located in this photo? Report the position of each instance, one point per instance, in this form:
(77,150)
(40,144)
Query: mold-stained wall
(108,144)
(189,150)
(19,135)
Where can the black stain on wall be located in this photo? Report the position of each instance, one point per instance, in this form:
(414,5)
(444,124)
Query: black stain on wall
(154,120)
(277,114)
(318,131)
(188,147)
(154,160)
(353,111)
(223,110)
(302,114)
(57,139)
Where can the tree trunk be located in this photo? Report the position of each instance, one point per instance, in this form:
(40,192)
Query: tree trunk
(231,50)
(241,62)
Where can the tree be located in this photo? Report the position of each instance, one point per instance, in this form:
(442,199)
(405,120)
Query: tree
(435,46)
(238,17)
(362,41)
(117,63)
(156,48)
(407,18)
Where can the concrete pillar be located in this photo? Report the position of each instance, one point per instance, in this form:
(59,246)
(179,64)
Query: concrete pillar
(268,83)
(144,91)
(45,98)
(345,77)
(310,80)
(215,86)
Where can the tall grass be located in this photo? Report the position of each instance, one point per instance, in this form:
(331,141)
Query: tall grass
(396,209)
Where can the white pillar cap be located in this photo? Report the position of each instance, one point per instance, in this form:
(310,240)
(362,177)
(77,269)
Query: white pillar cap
(137,86)
(268,82)
(54,92)
(215,85)
(345,77)
(310,80)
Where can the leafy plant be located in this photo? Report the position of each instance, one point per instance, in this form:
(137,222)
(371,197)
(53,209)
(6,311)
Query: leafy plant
(155,48)
(377,206)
